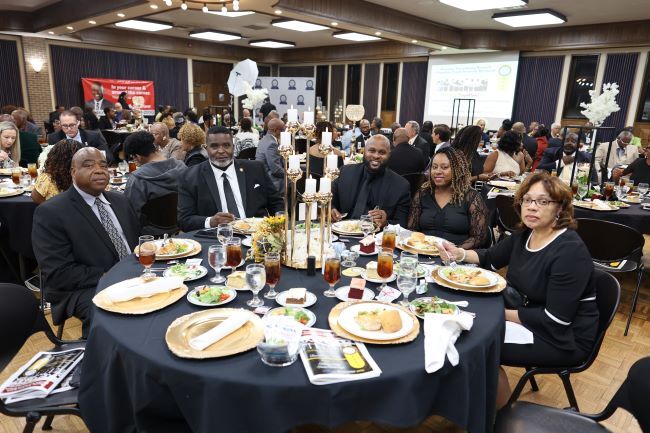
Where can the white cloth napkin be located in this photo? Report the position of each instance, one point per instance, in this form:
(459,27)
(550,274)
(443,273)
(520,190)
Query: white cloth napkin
(440,334)
(228,326)
(599,204)
(518,334)
(131,289)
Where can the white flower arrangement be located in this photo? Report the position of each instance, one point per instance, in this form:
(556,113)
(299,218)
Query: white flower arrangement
(254,97)
(601,106)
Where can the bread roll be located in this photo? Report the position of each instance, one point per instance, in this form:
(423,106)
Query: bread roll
(391,321)
(417,237)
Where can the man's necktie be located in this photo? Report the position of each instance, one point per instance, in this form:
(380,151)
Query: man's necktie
(230,197)
(111,230)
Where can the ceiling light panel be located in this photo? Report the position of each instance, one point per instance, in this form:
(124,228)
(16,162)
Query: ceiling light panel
(539,17)
(271,43)
(299,26)
(147,26)
(479,5)
(357,37)
(211,35)
(232,14)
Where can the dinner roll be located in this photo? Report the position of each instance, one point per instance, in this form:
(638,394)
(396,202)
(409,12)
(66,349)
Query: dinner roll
(391,321)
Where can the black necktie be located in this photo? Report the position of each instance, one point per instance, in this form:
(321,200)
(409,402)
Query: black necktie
(230,197)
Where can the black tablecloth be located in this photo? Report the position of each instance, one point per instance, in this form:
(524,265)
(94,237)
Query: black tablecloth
(16,215)
(131,381)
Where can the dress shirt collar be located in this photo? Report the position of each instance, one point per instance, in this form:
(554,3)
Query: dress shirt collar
(230,171)
(412,139)
(90,199)
(76,137)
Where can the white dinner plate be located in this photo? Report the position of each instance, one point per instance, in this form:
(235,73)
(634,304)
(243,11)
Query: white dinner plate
(347,322)
(247,241)
(379,281)
(357,248)
(444,270)
(201,272)
(281,310)
(282,300)
(342,294)
(193,300)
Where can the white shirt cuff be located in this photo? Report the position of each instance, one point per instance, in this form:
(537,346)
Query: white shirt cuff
(207,223)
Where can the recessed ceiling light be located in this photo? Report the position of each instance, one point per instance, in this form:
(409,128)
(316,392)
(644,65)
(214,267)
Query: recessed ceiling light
(443,48)
(271,43)
(213,35)
(299,26)
(69,27)
(414,41)
(278,12)
(377,33)
(230,14)
(92,22)
(334,23)
(153,6)
(479,5)
(537,17)
(357,37)
(168,2)
(184,6)
(121,15)
(51,33)
(146,25)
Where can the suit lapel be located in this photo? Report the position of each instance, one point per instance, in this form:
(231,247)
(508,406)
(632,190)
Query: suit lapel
(208,175)
(92,219)
(241,179)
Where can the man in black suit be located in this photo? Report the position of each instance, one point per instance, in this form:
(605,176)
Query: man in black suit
(559,158)
(372,188)
(107,121)
(529,143)
(70,129)
(79,235)
(412,129)
(222,188)
(404,158)
(364,127)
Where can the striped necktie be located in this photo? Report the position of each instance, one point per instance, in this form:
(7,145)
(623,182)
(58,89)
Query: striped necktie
(111,230)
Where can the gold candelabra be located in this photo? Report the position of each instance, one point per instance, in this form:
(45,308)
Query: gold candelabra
(325,201)
(294,175)
(308,198)
(285,150)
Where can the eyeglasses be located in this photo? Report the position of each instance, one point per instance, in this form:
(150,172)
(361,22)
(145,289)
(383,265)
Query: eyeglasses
(68,125)
(541,202)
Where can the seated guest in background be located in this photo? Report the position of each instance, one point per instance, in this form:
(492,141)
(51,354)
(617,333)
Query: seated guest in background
(621,153)
(482,123)
(9,144)
(468,141)
(556,130)
(179,121)
(29,133)
(21,119)
(508,160)
(247,137)
(192,140)
(91,121)
(446,205)
(364,129)
(375,126)
(530,144)
(267,153)
(532,128)
(372,188)
(206,122)
(426,133)
(108,119)
(118,112)
(156,176)
(551,268)
(506,126)
(55,177)
(79,235)
(223,188)
(441,137)
(168,120)
(639,170)
(55,114)
(395,125)
(70,129)
(564,157)
(404,158)
(412,129)
(169,147)
(542,137)
(316,160)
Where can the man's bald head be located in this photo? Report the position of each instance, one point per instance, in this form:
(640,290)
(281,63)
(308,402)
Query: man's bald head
(275,127)
(399,136)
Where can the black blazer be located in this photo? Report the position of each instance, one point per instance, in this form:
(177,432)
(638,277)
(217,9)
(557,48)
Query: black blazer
(530,144)
(198,194)
(406,159)
(88,137)
(72,247)
(395,200)
(425,148)
(552,155)
(104,123)
(426,136)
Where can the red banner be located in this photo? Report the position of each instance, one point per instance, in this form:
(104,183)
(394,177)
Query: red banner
(100,93)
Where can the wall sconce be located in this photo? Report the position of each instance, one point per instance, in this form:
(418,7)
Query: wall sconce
(37,64)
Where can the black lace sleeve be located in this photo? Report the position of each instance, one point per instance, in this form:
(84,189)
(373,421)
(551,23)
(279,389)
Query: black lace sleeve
(415,211)
(478,215)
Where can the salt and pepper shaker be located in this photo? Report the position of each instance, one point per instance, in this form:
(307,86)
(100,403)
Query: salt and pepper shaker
(422,287)
(311,266)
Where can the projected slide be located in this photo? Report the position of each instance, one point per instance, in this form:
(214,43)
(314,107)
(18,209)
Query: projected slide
(490,79)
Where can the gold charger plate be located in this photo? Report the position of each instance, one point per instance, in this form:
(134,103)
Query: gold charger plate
(196,248)
(497,288)
(140,305)
(333,320)
(189,326)
(7,171)
(427,252)
(11,192)
(589,205)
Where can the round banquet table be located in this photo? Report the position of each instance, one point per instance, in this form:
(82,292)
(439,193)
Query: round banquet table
(16,214)
(132,382)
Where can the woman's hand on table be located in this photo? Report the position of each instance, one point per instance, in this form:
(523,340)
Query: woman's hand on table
(336,215)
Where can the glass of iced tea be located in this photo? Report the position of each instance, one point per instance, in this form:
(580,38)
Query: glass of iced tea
(384,265)
(332,274)
(132,166)
(388,238)
(16,174)
(608,190)
(233,253)
(574,187)
(147,255)
(272,268)
(32,170)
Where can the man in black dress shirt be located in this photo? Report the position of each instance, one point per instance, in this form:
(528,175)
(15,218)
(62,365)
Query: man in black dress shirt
(372,188)
(404,158)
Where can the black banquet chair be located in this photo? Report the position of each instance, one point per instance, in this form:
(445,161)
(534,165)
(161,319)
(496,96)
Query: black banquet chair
(610,242)
(159,215)
(248,153)
(526,417)
(608,293)
(507,218)
(20,318)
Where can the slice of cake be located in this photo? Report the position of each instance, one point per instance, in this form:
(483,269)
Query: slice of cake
(357,287)
(371,270)
(297,295)
(367,244)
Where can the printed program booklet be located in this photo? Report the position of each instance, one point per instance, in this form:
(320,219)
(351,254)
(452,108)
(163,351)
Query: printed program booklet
(328,358)
(41,376)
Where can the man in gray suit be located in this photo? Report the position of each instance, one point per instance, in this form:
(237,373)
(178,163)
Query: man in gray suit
(267,152)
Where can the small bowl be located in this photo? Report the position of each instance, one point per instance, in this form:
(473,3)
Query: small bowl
(277,355)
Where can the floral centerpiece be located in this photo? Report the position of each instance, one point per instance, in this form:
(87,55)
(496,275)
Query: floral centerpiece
(269,237)
(254,97)
(601,106)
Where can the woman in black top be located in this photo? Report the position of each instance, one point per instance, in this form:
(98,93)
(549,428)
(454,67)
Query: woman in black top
(446,206)
(192,139)
(639,169)
(467,141)
(550,266)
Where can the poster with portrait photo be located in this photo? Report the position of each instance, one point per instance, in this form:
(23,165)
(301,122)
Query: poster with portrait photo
(287,91)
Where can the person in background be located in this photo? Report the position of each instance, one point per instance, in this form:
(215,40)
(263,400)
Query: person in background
(529,143)
(412,129)
(169,123)
(156,176)
(426,133)
(245,113)
(441,137)
(55,177)
(21,119)
(446,205)
(316,160)
(556,130)
(551,269)
(542,137)
(506,126)
(108,119)
(28,141)
(265,109)
(395,125)
(55,114)
(532,128)
(169,147)
(192,139)
(91,122)
(404,158)
(621,153)
(639,170)
(122,100)
(206,122)
(267,152)
(467,141)
(9,144)
(179,121)
(118,112)
(247,137)
(375,126)
(482,123)
(70,129)
(562,159)
(127,117)
(508,160)
(364,135)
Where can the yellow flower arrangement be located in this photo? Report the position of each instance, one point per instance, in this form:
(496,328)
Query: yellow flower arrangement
(269,237)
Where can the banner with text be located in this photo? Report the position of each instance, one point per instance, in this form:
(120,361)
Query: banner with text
(100,93)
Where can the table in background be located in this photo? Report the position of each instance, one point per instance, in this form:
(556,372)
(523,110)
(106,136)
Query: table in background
(16,214)
(131,381)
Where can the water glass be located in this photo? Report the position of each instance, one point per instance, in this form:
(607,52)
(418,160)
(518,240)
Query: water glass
(216,259)
(408,260)
(224,233)
(642,188)
(367,226)
(349,258)
(583,189)
(255,278)
(123,166)
(406,282)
